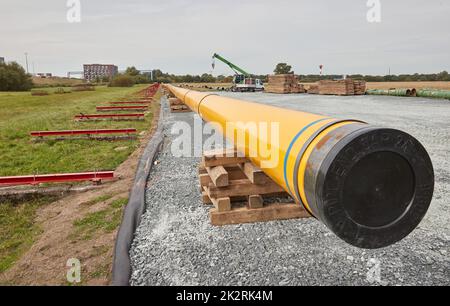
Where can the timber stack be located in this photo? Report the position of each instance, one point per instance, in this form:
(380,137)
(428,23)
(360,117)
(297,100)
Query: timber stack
(240,192)
(347,87)
(360,87)
(313,89)
(340,88)
(177,106)
(284,84)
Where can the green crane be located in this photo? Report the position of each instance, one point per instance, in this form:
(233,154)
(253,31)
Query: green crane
(236,69)
(242,80)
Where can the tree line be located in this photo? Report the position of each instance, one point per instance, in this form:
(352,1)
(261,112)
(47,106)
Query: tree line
(161,77)
(14,78)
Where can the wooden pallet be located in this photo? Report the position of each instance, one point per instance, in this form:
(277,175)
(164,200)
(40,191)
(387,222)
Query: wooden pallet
(238,191)
(177,106)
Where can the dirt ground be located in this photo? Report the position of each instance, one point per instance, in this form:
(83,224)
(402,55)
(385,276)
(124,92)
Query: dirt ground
(45,262)
(389,85)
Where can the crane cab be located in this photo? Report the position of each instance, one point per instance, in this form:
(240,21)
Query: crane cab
(243,83)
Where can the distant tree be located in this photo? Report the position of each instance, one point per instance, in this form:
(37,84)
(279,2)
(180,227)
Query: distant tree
(132,71)
(283,68)
(14,78)
(207,78)
(228,79)
(157,73)
(142,79)
(122,80)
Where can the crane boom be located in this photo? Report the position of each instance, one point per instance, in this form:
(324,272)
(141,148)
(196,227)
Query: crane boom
(236,69)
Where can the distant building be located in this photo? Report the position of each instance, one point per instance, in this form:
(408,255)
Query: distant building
(93,71)
(2,60)
(44,75)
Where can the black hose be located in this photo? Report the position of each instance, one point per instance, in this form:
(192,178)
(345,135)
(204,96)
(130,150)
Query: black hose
(121,272)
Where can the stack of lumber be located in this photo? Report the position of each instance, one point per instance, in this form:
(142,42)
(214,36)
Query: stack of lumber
(340,88)
(283,84)
(313,89)
(359,87)
(177,106)
(238,190)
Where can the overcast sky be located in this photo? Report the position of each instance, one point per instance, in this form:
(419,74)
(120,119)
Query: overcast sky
(180,36)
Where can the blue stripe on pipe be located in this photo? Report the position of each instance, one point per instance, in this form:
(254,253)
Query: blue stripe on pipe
(290,149)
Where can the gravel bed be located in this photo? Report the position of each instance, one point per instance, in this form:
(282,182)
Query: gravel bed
(176,245)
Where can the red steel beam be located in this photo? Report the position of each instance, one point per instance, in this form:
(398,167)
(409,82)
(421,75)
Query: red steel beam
(56,178)
(82,132)
(132,102)
(109,116)
(115,108)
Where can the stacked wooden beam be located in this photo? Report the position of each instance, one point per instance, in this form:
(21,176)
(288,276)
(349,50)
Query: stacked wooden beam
(284,84)
(359,87)
(238,189)
(177,106)
(340,88)
(347,87)
(313,89)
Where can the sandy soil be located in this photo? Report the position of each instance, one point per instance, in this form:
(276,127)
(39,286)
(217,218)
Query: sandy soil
(389,85)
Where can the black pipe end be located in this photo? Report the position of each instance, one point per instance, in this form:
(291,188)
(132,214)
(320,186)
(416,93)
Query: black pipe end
(374,187)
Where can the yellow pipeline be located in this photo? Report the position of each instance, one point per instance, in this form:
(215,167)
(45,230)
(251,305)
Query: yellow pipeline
(323,162)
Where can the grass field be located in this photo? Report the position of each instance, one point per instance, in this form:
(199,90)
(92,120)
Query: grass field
(55,81)
(416,85)
(205,86)
(409,85)
(21,113)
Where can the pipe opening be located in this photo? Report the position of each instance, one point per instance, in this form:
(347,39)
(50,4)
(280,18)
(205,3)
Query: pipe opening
(378,190)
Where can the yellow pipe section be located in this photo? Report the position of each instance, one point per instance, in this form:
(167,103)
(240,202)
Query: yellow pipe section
(325,164)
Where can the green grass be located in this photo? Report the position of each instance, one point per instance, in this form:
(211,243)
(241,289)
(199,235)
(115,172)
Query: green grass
(106,220)
(21,113)
(18,229)
(97,200)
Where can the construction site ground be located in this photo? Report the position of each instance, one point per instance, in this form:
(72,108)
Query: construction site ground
(176,245)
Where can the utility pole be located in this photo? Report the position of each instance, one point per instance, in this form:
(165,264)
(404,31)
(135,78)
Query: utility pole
(26,60)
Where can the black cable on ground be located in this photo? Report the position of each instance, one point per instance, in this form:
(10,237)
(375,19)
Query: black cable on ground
(136,206)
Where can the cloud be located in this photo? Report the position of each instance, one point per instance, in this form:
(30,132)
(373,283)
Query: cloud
(180,36)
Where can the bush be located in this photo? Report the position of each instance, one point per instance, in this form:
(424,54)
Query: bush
(14,78)
(39,92)
(83,87)
(61,91)
(122,81)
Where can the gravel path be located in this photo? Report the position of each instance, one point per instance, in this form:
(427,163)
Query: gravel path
(176,245)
